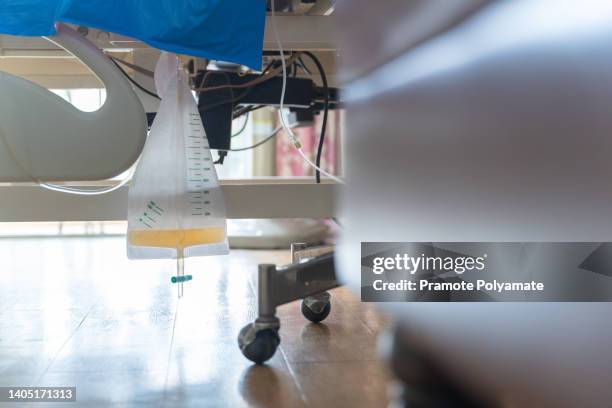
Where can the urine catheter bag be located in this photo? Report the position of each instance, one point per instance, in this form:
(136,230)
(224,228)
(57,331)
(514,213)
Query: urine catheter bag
(176,207)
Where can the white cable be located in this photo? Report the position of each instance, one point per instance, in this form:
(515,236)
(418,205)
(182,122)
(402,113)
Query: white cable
(62,189)
(288,130)
(71,190)
(68,190)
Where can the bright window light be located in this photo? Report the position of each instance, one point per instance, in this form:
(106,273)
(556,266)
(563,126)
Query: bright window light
(87,100)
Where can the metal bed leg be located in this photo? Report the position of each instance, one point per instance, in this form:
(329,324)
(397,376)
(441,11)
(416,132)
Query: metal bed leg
(258,340)
(306,279)
(316,307)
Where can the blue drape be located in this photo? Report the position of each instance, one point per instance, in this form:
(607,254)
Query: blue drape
(227,30)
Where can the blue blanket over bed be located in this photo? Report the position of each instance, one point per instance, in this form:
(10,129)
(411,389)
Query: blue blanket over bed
(227,30)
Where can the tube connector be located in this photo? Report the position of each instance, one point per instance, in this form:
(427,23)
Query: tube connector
(181,279)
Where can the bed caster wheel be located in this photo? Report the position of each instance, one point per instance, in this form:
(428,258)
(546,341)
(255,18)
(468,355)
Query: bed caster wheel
(316,308)
(259,341)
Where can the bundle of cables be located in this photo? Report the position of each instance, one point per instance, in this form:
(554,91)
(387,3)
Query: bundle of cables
(273,69)
(290,133)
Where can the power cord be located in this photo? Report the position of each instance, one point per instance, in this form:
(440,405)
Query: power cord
(325,112)
(133,81)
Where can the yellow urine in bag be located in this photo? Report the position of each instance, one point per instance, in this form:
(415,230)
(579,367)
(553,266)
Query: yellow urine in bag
(179,238)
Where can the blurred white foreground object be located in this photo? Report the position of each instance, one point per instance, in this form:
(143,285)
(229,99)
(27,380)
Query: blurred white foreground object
(496,129)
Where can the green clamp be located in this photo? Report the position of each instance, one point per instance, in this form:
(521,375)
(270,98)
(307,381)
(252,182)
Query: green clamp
(180,279)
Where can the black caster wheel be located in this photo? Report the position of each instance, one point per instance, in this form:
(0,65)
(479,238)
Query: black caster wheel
(316,309)
(258,344)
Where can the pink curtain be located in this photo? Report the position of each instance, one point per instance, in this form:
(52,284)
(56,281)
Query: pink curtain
(289,162)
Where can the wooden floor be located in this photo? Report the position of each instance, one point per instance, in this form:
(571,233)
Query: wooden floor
(76,312)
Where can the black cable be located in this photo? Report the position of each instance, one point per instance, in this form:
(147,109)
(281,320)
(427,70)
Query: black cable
(244,125)
(294,68)
(266,139)
(242,110)
(238,111)
(267,68)
(325,111)
(303,65)
(136,84)
(253,146)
